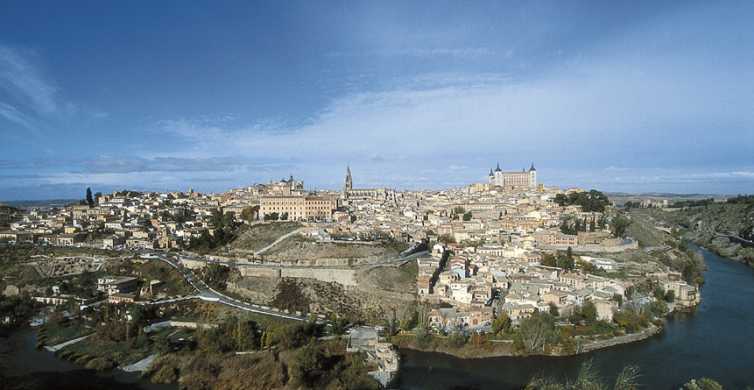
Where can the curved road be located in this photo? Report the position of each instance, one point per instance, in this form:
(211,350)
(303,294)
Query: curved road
(207,293)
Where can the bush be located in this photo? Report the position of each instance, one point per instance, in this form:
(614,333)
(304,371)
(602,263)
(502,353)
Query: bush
(587,313)
(630,320)
(423,338)
(703,384)
(457,339)
(501,324)
(658,308)
(535,332)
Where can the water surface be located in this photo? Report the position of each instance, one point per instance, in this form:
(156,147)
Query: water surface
(717,341)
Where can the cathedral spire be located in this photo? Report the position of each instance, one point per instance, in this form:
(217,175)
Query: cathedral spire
(348,186)
(532,167)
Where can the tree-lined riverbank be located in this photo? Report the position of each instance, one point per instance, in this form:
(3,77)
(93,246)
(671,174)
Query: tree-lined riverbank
(714,341)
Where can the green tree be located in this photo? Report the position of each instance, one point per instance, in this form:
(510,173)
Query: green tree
(549,260)
(248,213)
(586,313)
(535,333)
(554,310)
(588,378)
(501,324)
(89,198)
(216,276)
(565,262)
(467,216)
(618,225)
(410,320)
(630,320)
(457,339)
(658,308)
(703,384)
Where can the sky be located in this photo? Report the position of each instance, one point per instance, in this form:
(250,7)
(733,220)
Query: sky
(619,96)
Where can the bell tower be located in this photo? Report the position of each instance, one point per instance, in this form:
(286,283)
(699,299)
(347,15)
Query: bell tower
(348,186)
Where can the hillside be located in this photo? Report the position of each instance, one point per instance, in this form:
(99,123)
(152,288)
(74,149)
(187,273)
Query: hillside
(256,237)
(722,227)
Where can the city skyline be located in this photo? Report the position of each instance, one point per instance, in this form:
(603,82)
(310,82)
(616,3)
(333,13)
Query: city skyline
(597,96)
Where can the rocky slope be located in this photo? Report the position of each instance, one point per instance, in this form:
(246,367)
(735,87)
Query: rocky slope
(726,228)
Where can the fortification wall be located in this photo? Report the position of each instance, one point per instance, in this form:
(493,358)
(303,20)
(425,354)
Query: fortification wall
(346,277)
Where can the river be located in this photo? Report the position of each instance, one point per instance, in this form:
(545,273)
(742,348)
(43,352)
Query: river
(26,367)
(716,341)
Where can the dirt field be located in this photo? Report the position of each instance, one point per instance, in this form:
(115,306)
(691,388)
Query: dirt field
(256,237)
(299,248)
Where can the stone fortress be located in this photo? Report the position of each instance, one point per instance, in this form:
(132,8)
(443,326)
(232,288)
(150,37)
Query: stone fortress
(513,179)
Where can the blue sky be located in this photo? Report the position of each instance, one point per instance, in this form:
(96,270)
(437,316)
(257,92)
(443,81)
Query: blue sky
(634,96)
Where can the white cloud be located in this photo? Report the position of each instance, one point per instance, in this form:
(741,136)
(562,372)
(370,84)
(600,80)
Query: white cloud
(588,110)
(465,53)
(23,79)
(31,100)
(12,114)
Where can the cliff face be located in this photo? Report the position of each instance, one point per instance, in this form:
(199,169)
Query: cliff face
(726,228)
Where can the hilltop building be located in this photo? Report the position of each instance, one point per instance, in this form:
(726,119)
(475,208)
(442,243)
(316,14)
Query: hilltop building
(364,193)
(512,179)
(298,207)
(285,187)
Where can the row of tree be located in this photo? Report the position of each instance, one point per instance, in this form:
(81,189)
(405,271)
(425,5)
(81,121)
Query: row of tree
(574,225)
(591,201)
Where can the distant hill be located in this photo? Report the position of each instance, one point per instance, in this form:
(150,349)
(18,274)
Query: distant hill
(620,198)
(28,204)
(667,195)
(725,227)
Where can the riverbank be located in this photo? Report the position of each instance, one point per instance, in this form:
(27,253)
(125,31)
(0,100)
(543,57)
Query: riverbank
(24,366)
(709,342)
(641,335)
(722,247)
(505,348)
(722,228)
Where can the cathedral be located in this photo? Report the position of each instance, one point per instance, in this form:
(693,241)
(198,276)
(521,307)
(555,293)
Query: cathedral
(364,193)
(513,179)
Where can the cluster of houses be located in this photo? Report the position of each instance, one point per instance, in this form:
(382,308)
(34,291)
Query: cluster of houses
(488,259)
(149,220)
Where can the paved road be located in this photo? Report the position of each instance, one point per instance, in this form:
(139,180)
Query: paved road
(141,365)
(207,293)
(53,348)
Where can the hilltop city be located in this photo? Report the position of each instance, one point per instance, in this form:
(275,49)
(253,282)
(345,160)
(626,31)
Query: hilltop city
(508,266)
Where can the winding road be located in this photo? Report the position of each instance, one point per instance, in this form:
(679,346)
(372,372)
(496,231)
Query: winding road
(208,294)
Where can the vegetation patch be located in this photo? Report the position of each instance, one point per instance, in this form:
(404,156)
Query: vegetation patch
(258,236)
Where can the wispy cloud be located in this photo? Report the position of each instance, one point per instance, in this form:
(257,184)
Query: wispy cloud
(31,100)
(23,79)
(175,164)
(466,53)
(12,114)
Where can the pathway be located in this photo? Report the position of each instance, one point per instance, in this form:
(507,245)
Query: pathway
(279,240)
(141,365)
(54,348)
